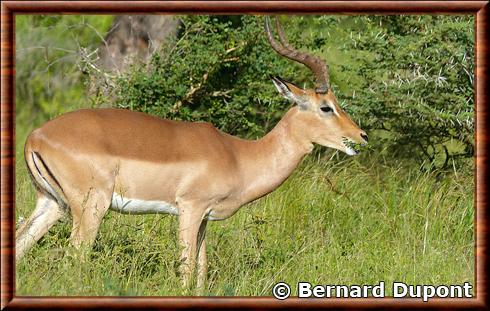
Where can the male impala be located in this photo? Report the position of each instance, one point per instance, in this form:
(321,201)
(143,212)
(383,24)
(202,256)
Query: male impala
(91,160)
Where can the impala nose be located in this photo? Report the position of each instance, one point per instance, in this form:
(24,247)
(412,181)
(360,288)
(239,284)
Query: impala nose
(365,137)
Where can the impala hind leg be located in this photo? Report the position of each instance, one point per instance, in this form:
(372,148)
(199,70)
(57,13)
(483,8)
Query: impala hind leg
(87,216)
(45,215)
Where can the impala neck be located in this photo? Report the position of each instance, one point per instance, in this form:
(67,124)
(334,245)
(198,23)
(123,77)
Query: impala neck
(269,161)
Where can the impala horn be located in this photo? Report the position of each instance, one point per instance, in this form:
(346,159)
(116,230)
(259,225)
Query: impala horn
(316,64)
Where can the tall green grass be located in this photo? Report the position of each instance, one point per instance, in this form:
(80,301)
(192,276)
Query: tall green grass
(335,221)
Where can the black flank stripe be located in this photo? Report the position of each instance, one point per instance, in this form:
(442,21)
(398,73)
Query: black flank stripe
(49,171)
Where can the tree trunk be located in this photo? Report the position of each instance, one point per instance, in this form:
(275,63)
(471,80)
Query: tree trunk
(135,38)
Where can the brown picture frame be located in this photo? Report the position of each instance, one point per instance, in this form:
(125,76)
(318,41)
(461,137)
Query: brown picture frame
(480,9)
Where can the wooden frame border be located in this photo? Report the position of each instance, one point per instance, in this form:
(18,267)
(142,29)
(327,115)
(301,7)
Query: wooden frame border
(10,8)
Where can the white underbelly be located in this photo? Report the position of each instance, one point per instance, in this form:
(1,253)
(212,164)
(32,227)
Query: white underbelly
(137,206)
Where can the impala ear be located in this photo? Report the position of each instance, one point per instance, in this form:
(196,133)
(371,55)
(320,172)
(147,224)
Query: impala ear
(290,92)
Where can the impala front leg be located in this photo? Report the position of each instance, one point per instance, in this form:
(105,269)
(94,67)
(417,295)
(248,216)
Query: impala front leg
(202,264)
(189,224)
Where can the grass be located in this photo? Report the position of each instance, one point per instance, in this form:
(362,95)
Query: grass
(338,221)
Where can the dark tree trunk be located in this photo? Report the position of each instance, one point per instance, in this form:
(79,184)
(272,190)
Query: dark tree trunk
(135,37)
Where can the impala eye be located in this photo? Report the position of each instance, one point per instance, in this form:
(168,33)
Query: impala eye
(326,109)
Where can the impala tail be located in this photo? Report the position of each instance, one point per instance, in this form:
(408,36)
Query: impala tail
(43,178)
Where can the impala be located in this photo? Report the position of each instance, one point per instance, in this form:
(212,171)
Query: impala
(89,161)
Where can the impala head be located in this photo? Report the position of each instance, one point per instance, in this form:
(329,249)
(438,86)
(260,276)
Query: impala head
(322,119)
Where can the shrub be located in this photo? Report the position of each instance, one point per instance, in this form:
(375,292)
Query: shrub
(417,84)
(217,71)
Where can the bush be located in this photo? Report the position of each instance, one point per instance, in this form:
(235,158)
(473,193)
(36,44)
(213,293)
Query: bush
(417,84)
(217,71)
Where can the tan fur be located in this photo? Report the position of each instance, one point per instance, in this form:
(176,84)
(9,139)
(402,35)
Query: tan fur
(89,154)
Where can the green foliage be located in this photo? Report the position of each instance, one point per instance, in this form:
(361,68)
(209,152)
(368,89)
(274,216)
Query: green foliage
(48,80)
(408,80)
(415,82)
